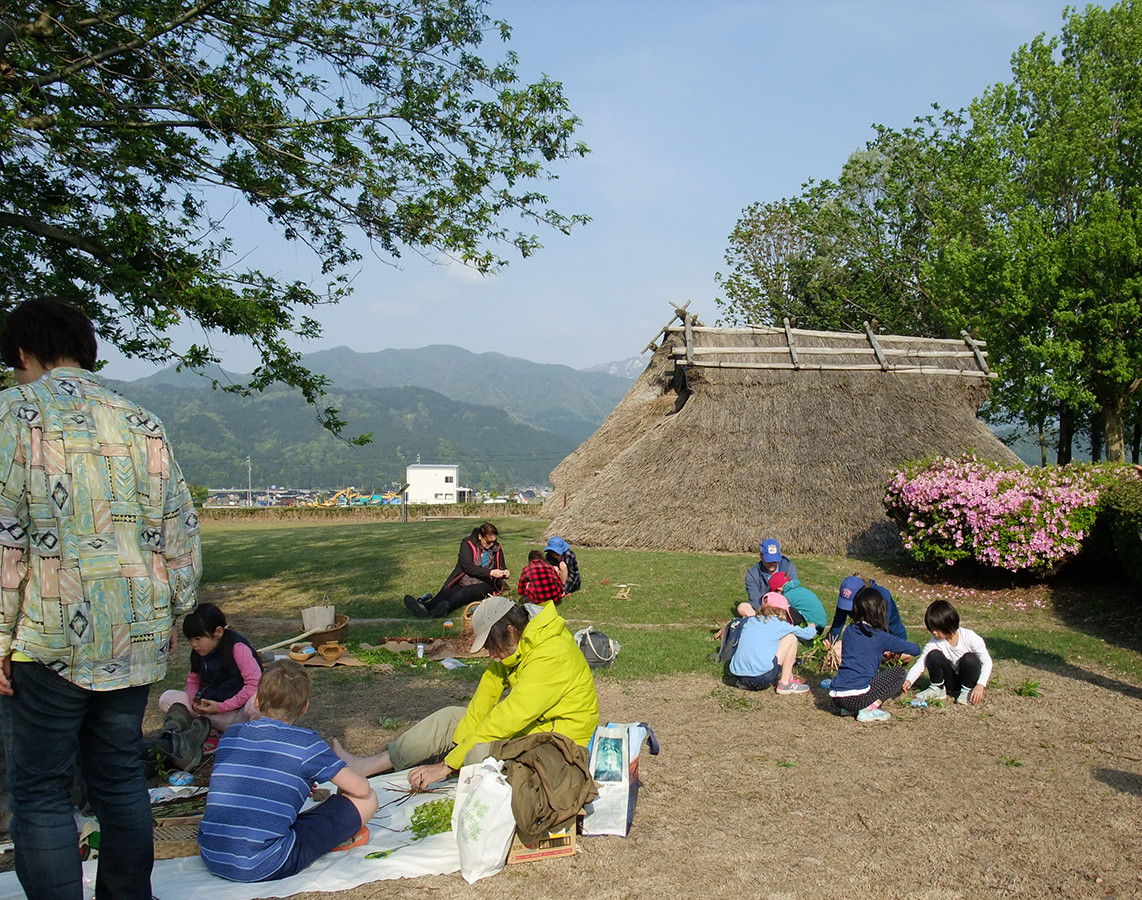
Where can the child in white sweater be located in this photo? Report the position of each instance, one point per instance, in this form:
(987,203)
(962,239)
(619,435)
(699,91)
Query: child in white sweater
(956,658)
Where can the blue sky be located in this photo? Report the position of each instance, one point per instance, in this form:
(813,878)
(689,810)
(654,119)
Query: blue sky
(692,111)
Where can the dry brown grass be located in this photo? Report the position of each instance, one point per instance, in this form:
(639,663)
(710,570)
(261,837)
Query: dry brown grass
(756,795)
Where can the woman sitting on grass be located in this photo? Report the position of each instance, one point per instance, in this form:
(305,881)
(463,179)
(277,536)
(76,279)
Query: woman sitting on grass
(538,680)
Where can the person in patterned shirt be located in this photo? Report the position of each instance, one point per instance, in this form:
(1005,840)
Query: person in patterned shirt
(539,581)
(99,554)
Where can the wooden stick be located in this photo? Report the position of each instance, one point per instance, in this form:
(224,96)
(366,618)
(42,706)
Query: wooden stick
(291,640)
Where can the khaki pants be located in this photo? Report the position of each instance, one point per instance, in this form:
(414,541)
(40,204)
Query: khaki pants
(432,737)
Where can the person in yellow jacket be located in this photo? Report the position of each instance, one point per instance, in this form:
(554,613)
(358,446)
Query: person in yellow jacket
(550,688)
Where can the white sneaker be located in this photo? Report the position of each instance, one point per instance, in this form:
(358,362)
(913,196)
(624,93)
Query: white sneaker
(964,697)
(935,692)
(873,715)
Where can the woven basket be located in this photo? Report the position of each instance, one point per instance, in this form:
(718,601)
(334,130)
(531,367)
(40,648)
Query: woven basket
(466,630)
(337,633)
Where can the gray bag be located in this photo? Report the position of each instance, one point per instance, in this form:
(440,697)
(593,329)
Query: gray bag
(599,650)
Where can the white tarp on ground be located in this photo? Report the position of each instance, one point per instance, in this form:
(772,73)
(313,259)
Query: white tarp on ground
(188,879)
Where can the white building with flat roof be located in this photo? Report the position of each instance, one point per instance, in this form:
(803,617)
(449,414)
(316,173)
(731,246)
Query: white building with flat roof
(433,483)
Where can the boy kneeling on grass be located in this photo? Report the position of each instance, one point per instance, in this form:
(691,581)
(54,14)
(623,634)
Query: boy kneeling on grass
(956,658)
(253,828)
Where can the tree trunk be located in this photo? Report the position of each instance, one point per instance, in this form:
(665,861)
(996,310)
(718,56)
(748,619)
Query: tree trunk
(1114,428)
(1066,434)
(1095,423)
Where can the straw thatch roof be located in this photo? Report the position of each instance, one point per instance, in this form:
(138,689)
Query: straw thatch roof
(731,435)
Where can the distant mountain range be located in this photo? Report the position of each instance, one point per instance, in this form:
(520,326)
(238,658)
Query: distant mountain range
(507,422)
(629,368)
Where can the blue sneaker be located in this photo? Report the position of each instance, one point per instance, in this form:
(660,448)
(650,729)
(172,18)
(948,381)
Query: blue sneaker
(826,683)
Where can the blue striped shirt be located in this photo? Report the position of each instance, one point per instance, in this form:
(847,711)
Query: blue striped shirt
(263,773)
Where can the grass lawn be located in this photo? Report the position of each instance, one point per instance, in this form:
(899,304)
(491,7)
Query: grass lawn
(660,606)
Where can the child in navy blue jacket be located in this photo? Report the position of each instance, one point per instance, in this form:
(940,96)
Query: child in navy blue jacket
(860,686)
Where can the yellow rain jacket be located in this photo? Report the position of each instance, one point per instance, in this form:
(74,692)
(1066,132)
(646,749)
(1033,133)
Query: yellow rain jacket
(551,689)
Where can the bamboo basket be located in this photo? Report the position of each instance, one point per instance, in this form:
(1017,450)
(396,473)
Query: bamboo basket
(177,837)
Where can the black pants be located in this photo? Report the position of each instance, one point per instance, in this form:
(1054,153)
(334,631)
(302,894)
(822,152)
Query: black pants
(456,597)
(886,684)
(942,670)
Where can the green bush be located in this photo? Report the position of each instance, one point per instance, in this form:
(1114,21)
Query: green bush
(1124,502)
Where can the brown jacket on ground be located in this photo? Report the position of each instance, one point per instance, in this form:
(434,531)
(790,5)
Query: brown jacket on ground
(550,778)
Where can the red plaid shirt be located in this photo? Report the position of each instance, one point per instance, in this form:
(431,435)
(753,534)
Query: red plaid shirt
(539,582)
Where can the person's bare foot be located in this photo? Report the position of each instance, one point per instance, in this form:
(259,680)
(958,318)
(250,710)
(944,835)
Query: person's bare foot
(353,762)
(365,766)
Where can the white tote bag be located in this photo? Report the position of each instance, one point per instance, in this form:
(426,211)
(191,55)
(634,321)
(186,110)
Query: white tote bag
(483,821)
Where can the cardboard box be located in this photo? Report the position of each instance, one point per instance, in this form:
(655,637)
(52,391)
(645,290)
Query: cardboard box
(560,841)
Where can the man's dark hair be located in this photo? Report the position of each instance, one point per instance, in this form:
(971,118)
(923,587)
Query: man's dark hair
(942,616)
(51,331)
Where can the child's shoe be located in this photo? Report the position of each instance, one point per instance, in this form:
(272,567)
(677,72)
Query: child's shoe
(791,687)
(873,715)
(935,692)
(361,837)
(211,743)
(965,696)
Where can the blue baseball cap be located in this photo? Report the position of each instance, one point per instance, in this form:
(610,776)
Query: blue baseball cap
(770,550)
(849,588)
(557,544)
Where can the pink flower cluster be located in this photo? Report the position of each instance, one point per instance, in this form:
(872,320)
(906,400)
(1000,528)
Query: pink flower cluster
(954,509)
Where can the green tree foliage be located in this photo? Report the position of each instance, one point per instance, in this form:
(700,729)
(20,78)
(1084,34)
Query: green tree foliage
(1065,133)
(846,252)
(129,128)
(1019,221)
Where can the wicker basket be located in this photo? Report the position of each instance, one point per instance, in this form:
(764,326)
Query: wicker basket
(337,633)
(466,630)
(177,838)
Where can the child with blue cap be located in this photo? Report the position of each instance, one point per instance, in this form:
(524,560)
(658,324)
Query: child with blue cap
(560,555)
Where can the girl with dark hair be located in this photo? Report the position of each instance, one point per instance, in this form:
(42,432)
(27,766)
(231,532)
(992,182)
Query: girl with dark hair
(860,686)
(224,672)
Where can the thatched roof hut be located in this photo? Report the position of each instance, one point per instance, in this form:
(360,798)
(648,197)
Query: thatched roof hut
(734,434)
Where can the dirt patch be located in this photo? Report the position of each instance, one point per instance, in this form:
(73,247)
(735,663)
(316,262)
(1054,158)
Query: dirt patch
(764,796)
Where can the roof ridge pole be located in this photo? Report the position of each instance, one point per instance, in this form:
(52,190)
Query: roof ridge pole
(875,344)
(979,357)
(679,313)
(789,341)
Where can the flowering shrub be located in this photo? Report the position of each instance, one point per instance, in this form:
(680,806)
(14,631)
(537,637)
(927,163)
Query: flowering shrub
(967,508)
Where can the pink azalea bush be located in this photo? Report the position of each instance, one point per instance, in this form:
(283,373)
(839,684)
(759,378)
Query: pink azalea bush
(967,508)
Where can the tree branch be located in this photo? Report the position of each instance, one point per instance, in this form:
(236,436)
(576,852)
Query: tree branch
(35,226)
(95,59)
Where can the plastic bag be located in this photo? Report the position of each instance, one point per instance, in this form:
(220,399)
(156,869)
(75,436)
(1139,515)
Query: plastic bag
(483,820)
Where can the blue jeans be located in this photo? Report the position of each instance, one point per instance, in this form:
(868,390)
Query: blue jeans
(48,725)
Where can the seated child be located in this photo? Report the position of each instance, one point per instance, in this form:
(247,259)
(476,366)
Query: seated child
(224,671)
(767,648)
(559,553)
(253,829)
(849,588)
(860,686)
(956,658)
(804,605)
(540,581)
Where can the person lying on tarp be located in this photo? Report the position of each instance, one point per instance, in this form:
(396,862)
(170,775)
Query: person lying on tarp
(551,689)
(480,571)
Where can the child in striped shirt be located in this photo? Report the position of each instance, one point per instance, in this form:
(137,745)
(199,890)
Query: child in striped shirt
(254,828)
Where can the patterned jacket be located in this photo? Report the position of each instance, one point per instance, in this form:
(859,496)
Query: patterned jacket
(99,544)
